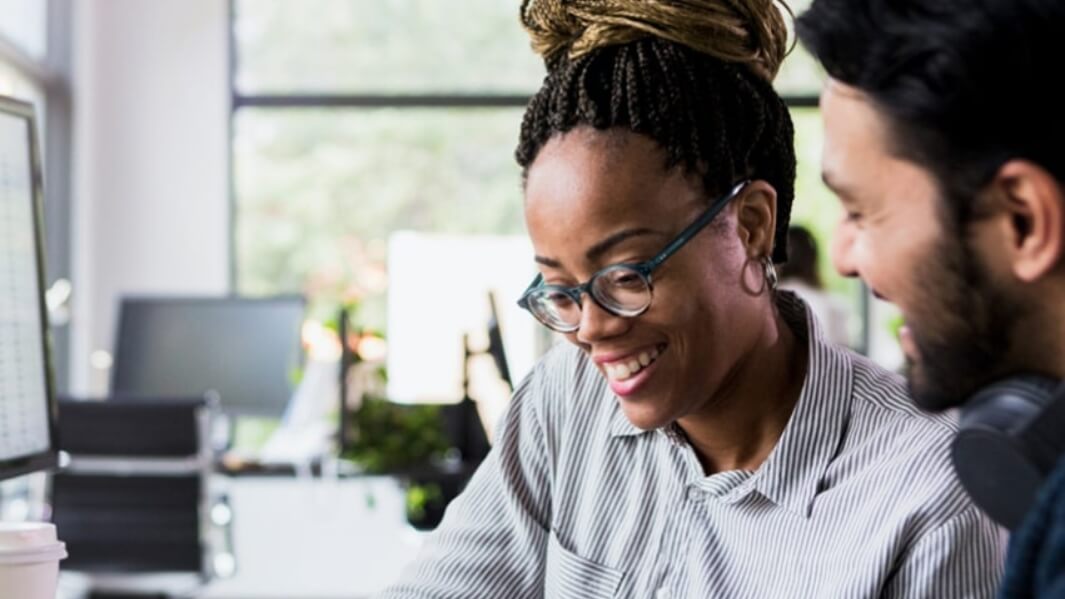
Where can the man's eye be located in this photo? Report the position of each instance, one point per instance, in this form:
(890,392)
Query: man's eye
(853,217)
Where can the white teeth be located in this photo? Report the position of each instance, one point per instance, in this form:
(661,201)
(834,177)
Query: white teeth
(624,370)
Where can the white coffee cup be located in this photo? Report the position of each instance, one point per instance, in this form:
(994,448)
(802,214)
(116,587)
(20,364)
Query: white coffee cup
(29,560)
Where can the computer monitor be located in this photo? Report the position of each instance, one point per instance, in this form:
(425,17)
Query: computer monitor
(246,349)
(27,394)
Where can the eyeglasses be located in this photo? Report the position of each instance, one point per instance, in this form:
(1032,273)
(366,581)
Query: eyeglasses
(620,289)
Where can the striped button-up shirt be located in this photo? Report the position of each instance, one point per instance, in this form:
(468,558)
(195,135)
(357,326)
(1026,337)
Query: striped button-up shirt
(857,499)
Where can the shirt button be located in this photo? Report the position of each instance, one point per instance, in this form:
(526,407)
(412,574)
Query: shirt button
(694,494)
(663,593)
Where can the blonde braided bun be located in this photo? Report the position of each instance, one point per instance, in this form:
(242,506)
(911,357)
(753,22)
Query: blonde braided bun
(750,32)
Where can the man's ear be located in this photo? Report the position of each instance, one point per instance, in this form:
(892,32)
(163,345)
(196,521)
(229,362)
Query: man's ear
(756,216)
(1034,223)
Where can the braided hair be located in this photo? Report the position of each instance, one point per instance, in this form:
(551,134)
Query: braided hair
(693,76)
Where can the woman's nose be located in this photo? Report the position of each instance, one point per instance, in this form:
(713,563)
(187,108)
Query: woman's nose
(597,323)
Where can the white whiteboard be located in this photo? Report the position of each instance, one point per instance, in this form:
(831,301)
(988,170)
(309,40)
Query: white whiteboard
(437,290)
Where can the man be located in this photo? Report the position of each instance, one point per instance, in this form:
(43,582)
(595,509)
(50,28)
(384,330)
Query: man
(944,132)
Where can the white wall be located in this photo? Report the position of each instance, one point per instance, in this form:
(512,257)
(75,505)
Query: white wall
(150,205)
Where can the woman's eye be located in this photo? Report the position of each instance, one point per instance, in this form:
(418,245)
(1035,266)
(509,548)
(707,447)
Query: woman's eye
(559,299)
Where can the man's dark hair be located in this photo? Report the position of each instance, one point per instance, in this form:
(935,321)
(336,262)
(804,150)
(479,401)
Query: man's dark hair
(965,85)
(716,119)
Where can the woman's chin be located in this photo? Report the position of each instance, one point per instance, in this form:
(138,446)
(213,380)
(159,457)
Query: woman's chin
(644,415)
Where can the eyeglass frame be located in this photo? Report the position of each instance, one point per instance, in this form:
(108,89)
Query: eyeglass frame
(644,269)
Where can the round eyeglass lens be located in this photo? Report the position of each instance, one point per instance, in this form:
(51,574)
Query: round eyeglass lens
(556,309)
(622,290)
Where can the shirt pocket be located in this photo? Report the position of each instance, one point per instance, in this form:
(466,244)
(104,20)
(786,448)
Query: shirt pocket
(570,575)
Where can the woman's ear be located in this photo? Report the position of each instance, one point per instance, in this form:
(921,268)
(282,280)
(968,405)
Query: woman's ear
(756,216)
(1033,223)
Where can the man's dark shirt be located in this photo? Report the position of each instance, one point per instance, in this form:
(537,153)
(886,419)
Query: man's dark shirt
(1035,566)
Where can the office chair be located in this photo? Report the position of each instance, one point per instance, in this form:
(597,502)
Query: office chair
(133,501)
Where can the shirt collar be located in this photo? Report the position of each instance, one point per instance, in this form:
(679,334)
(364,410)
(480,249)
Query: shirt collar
(791,474)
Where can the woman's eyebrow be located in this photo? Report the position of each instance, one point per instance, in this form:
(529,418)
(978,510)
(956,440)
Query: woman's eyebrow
(596,251)
(551,262)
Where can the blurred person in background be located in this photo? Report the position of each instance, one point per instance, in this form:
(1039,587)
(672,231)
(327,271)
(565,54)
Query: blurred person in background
(943,141)
(698,436)
(800,274)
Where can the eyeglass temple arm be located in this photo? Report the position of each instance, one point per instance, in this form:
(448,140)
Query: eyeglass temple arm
(690,231)
(523,302)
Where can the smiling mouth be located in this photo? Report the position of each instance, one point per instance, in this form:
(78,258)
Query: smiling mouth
(626,369)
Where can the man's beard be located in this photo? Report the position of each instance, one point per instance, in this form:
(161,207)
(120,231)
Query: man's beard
(963,329)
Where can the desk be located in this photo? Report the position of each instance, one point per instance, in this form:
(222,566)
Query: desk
(298,538)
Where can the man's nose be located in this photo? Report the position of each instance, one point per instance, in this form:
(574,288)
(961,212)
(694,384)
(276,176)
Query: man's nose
(841,249)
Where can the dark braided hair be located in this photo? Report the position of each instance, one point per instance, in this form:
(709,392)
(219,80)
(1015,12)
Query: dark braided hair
(719,119)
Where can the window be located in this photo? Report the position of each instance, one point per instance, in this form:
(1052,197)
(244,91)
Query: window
(336,47)
(352,120)
(321,189)
(25,26)
(816,209)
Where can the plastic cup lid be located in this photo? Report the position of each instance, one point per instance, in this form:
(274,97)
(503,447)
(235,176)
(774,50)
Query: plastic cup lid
(24,542)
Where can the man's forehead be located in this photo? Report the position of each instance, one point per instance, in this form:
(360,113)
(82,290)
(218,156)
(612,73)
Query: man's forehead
(849,110)
(854,127)
(840,88)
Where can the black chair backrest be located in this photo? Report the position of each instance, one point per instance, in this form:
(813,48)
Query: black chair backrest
(129,524)
(136,504)
(130,428)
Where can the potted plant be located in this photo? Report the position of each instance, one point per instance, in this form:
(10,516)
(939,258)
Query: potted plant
(408,441)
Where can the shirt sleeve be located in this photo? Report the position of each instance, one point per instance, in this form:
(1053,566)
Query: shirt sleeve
(1035,567)
(493,538)
(962,559)
(1052,564)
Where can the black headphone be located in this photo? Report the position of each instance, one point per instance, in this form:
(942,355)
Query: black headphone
(1011,435)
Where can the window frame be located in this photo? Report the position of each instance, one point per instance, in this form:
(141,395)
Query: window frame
(240,101)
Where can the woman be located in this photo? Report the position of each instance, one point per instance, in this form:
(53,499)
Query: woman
(698,436)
